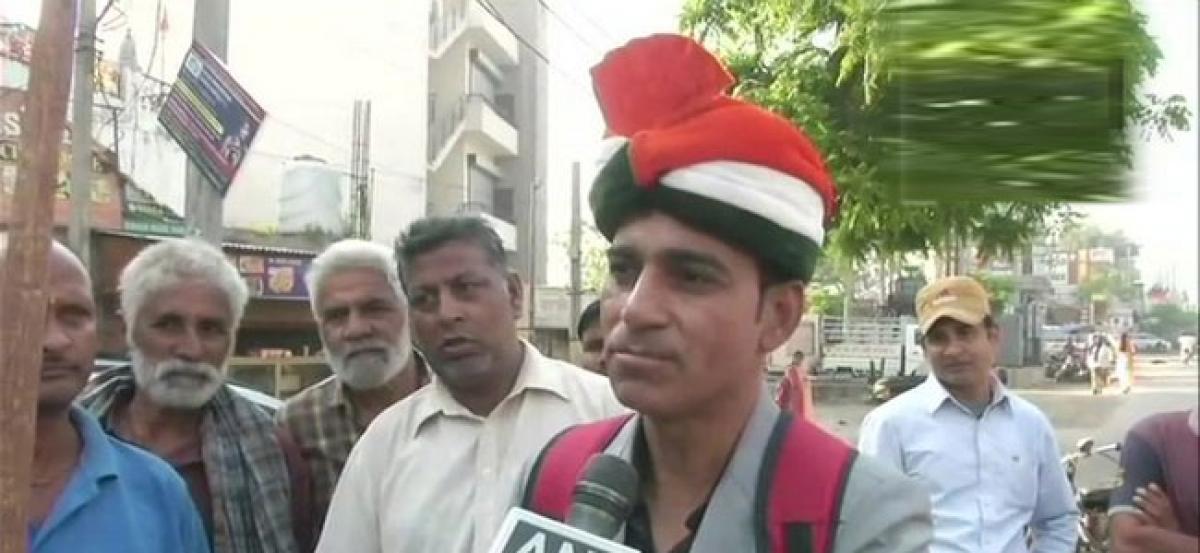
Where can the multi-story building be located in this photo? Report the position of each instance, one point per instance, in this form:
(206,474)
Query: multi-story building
(487,120)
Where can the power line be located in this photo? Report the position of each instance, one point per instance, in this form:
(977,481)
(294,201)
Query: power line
(340,148)
(488,7)
(578,11)
(570,28)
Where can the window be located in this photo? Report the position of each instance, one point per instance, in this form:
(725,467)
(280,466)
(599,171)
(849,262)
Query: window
(481,185)
(483,82)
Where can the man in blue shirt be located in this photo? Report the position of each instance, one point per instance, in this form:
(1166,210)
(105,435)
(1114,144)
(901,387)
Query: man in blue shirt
(988,457)
(90,491)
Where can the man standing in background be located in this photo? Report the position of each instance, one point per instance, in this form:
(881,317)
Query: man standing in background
(362,316)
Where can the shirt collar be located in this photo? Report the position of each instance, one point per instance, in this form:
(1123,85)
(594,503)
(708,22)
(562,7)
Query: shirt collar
(99,461)
(934,395)
(536,373)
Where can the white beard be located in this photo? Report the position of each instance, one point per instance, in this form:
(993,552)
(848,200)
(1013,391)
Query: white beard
(371,370)
(175,383)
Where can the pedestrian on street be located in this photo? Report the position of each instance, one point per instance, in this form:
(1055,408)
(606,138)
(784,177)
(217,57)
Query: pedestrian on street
(182,302)
(438,471)
(362,317)
(1157,507)
(91,491)
(987,456)
(715,209)
(1100,360)
(795,390)
(591,338)
(1187,347)
(1124,367)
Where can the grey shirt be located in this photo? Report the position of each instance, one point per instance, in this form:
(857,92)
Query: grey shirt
(882,510)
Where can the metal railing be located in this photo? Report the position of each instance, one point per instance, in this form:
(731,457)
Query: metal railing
(443,127)
(880,330)
(444,26)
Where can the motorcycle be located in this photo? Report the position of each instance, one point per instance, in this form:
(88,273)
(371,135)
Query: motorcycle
(1092,528)
(1072,369)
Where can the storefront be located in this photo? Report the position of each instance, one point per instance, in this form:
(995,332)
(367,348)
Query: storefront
(278,321)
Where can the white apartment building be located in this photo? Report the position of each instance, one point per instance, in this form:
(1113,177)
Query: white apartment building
(487,120)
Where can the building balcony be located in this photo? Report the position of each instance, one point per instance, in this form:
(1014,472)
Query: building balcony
(469,20)
(476,119)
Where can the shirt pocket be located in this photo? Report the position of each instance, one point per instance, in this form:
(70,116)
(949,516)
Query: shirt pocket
(943,462)
(1016,469)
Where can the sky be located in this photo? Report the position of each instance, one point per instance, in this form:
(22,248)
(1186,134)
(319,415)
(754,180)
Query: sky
(1162,218)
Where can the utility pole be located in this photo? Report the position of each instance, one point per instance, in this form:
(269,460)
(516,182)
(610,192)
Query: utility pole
(79,230)
(362,176)
(575,253)
(533,229)
(23,298)
(204,206)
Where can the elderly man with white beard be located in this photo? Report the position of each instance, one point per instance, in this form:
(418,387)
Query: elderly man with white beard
(182,302)
(362,314)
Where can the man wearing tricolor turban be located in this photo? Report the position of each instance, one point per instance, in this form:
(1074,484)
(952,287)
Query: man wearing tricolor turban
(716,210)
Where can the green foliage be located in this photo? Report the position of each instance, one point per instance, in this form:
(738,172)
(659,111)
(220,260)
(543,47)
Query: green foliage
(826,300)
(1000,288)
(593,262)
(1170,320)
(1109,283)
(849,71)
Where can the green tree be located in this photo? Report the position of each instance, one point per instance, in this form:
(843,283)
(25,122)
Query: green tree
(1110,283)
(593,262)
(1001,290)
(1170,320)
(837,68)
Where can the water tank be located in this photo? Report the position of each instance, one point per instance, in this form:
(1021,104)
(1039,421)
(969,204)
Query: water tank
(311,197)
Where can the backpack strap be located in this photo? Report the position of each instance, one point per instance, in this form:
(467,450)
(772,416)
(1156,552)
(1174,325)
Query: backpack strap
(561,463)
(800,488)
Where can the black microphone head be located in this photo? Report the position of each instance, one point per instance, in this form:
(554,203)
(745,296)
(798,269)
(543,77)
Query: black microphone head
(608,487)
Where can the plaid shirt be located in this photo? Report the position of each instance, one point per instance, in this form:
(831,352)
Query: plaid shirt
(322,421)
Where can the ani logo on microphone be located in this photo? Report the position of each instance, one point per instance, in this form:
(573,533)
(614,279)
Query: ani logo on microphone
(526,532)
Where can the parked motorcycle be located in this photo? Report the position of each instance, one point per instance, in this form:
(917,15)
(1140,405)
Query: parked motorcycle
(1052,363)
(1092,528)
(1073,368)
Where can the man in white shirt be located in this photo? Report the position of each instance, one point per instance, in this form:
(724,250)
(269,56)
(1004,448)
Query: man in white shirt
(438,471)
(988,457)
(1187,347)
(1101,356)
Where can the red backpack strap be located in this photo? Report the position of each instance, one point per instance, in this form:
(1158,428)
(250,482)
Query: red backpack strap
(560,464)
(800,488)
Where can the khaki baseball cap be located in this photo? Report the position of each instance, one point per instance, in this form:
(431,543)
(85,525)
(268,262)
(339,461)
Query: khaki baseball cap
(960,298)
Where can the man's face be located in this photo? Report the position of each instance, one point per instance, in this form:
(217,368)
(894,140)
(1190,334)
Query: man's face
(684,319)
(180,342)
(364,327)
(593,346)
(70,342)
(464,312)
(961,355)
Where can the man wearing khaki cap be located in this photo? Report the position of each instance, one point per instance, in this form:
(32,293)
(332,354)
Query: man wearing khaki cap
(987,457)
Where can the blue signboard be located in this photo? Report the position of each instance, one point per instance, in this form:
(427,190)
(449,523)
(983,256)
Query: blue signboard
(212,118)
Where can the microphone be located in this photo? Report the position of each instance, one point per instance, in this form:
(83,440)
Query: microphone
(604,496)
(602,500)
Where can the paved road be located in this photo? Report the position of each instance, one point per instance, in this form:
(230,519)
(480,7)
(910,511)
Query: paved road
(1161,384)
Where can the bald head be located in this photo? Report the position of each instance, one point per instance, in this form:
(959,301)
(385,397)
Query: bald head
(69,342)
(64,261)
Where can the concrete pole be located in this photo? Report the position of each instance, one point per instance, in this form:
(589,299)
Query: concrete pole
(204,206)
(79,230)
(575,253)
